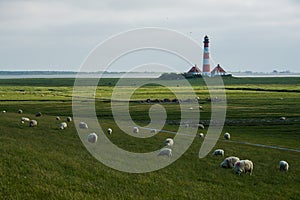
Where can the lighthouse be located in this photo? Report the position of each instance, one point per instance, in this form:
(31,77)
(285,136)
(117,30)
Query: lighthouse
(206,64)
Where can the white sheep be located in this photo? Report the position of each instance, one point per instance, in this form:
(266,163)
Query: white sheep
(135,129)
(227,136)
(229,162)
(201,135)
(69,119)
(201,126)
(283,165)
(63,125)
(243,166)
(92,138)
(109,131)
(32,123)
(169,142)
(218,152)
(25,119)
(165,152)
(282,118)
(20,111)
(57,118)
(4,111)
(83,125)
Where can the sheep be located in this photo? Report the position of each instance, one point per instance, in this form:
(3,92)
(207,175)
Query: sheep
(109,131)
(283,165)
(229,162)
(201,135)
(218,152)
(25,119)
(20,111)
(92,138)
(243,166)
(57,118)
(153,131)
(169,142)
(165,152)
(201,126)
(282,118)
(63,125)
(69,119)
(32,123)
(4,111)
(83,125)
(227,136)
(135,129)
(39,114)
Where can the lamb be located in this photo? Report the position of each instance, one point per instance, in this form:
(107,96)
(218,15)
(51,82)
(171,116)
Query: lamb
(63,125)
(92,138)
(83,125)
(20,111)
(57,118)
(32,123)
(69,119)
(201,135)
(165,152)
(169,142)
(135,130)
(227,136)
(218,152)
(283,165)
(243,166)
(109,131)
(229,162)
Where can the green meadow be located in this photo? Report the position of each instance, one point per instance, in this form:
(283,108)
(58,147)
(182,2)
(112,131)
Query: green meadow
(45,162)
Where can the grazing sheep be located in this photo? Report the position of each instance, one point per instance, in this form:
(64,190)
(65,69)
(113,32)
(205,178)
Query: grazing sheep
(20,111)
(243,166)
(201,135)
(169,142)
(63,125)
(191,108)
(165,152)
(135,130)
(92,138)
(25,119)
(57,118)
(153,131)
(201,126)
(283,165)
(39,114)
(32,123)
(282,118)
(69,119)
(229,162)
(4,111)
(227,136)
(200,107)
(109,131)
(218,152)
(83,125)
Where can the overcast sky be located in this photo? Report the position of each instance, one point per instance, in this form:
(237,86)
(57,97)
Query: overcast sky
(256,35)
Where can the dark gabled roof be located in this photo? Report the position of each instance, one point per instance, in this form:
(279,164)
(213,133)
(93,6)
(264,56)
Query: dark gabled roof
(194,69)
(218,68)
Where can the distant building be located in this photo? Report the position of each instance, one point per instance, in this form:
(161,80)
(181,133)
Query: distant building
(218,71)
(194,70)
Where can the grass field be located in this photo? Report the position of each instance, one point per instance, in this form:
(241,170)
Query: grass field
(45,162)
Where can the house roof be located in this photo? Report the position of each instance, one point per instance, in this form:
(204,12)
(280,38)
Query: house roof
(218,68)
(194,69)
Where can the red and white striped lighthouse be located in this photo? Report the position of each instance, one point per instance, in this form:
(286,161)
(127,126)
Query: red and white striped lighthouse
(206,64)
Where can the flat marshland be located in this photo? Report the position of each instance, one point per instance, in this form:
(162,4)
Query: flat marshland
(45,162)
